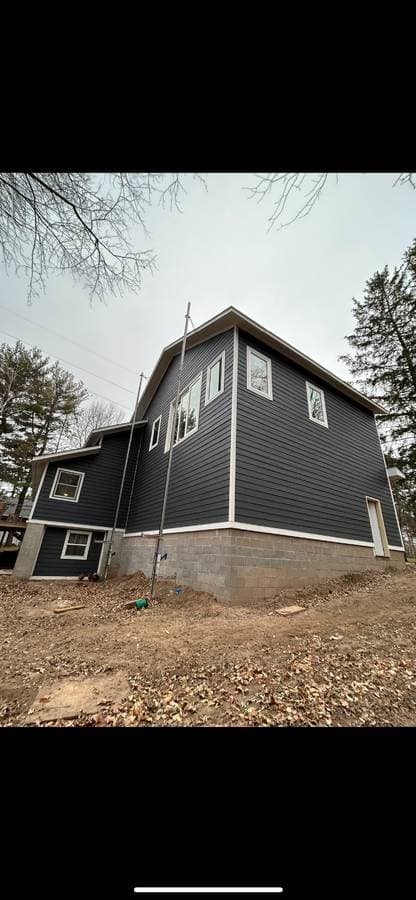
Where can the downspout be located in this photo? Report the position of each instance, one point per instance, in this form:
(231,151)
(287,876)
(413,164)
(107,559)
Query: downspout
(172,437)
(123,478)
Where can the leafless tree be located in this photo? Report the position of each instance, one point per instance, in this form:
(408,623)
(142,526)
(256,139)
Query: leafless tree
(94,415)
(79,223)
(285,185)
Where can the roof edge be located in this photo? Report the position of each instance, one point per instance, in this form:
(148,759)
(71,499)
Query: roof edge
(227,319)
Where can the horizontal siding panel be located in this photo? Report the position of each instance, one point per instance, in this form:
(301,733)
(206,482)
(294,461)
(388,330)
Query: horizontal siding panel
(294,474)
(100,488)
(49,562)
(199,484)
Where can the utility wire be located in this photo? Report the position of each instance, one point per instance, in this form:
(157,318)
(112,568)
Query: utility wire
(69,363)
(70,340)
(108,399)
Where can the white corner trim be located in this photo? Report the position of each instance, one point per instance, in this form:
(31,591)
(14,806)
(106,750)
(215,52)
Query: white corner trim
(267,360)
(233,437)
(263,529)
(151,445)
(208,399)
(40,485)
(390,488)
(74,525)
(314,387)
(86,546)
(79,486)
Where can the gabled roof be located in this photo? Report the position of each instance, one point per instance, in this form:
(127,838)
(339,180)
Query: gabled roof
(92,445)
(227,319)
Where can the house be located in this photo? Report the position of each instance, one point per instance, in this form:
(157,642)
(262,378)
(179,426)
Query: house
(278,477)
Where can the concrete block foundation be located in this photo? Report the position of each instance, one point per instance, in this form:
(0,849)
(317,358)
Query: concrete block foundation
(241,567)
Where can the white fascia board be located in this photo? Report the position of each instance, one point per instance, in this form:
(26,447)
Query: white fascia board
(226,320)
(263,529)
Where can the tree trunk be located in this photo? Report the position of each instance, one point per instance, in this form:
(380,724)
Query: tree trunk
(21,498)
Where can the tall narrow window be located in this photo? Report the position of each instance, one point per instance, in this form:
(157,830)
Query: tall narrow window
(187,414)
(316,404)
(154,437)
(67,485)
(259,374)
(215,378)
(76,545)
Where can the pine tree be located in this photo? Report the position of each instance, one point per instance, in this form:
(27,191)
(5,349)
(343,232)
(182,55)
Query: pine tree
(383,365)
(37,402)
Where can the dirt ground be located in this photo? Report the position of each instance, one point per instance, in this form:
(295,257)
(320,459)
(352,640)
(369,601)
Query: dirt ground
(347,659)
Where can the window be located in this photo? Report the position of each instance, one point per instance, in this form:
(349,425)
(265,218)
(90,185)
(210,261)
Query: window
(67,485)
(259,374)
(215,378)
(316,404)
(76,545)
(154,439)
(187,414)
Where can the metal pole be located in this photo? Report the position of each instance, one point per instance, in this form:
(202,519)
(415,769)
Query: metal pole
(123,478)
(172,437)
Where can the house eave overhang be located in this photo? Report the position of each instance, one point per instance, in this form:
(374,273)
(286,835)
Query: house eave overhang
(39,463)
(228,319)
(98,433)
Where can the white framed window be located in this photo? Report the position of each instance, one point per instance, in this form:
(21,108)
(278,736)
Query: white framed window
(154,437)
(259,374)
(67,485)
(187,414)
(316,404)
(76,544)
(215,378)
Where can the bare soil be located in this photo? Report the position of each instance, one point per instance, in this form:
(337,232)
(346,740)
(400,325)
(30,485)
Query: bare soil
(347,659)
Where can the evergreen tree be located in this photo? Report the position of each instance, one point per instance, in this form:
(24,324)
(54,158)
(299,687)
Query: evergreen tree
(37,401)
(383,365)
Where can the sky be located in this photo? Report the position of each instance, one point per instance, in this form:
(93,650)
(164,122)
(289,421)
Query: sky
(297,282)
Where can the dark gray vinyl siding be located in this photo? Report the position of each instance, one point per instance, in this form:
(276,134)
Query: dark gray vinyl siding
(199,484)
(293,473)
(99,493)
(49,561)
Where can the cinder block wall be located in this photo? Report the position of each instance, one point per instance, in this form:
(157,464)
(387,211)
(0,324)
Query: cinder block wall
(242,567)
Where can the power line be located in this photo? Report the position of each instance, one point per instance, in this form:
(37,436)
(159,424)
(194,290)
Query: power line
(69,363)
(108,399)
(70,340)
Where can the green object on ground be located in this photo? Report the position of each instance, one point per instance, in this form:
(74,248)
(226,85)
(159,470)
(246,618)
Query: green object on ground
(143,603)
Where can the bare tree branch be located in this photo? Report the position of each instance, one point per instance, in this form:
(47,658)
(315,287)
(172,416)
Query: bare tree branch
(287,183)
(54,223)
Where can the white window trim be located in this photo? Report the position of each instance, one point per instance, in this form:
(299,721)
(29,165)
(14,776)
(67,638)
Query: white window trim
(269,395)
(171,411)
(55,482)
(87,546)
(220,357)
(152,445)
(382,527)
(315,387)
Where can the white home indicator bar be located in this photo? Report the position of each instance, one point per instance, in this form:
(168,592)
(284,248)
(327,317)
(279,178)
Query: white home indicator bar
(208,890)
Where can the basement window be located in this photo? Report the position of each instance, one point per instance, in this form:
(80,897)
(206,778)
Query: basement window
(215,378)
(316,404)
(154,438)
(259,374)
(187,414)
(67,485)
(76,545)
